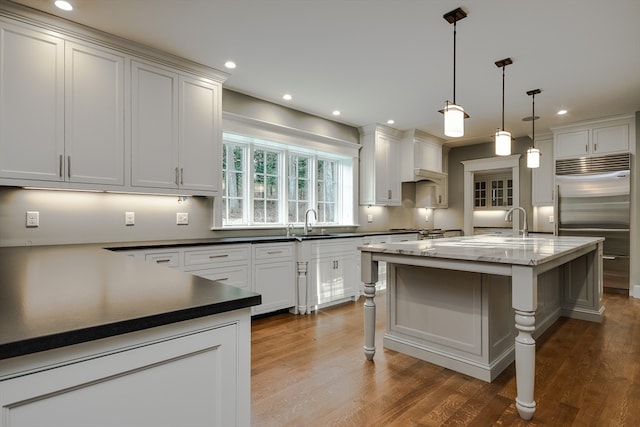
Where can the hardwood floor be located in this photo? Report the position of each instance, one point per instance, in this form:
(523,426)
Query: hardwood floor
(311,371)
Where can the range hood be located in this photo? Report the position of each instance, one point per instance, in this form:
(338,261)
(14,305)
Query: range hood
(424,174)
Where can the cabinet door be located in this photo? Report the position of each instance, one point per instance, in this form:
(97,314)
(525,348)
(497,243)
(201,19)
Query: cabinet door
(428,156)
(275,282)
(542,177)
(154,156)
(572,144)
(200,145)
(94,115)
(31,104)
(611,139)
(195,378)
(335,278)
(387,170)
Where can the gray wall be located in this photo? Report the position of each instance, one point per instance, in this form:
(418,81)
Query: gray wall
(453,217)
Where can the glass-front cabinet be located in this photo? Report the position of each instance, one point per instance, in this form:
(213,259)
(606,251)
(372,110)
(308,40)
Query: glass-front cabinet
(493,191)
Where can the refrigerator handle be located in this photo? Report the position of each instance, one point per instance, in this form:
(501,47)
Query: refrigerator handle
(556,211)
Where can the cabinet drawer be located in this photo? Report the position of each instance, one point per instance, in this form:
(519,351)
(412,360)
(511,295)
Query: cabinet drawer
(217,255)
(168,259)
(237,276)
(270,251)
(330,248)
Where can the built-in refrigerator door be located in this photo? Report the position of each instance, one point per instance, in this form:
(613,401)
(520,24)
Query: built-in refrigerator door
(594,201)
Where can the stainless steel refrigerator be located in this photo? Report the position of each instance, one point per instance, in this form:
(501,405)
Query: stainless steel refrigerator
(594,200)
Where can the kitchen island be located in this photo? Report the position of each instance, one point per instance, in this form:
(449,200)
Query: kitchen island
(451,301)
(93,337)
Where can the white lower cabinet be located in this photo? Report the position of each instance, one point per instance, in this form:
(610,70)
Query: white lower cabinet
(274,276)
(265,268)
(228,264)
(331,272)
(190,373)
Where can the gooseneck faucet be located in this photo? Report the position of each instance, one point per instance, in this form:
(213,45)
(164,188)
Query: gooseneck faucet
(507,217)
(307,224)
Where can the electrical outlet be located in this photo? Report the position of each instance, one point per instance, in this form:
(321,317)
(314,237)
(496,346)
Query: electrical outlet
(129,218)
(182,218)
(369,218)
(550,218)
(33,219)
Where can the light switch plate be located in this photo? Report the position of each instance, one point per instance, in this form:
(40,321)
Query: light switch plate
(33,219)
(182,218)
(129,218)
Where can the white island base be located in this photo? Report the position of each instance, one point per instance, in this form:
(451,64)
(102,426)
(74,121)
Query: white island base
(458,313)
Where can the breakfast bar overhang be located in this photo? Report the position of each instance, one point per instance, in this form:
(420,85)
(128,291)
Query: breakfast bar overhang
(450,301)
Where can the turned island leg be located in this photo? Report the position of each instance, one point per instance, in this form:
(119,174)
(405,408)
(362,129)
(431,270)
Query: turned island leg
(525,303)
(369,277)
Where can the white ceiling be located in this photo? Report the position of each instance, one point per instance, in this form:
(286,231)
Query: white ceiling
(380,59)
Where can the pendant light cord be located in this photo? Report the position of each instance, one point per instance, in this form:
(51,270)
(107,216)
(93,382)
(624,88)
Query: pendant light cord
(503,97)
(454,60)
(533,119)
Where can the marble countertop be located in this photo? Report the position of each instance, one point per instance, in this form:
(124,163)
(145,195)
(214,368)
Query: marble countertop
(533,250)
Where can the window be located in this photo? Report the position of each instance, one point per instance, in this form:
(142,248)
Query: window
(266,191)
(327,190)
(299,182)
(233,183)
(285,180)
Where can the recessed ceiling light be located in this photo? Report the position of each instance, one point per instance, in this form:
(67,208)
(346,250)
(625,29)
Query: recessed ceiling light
(64,5)
(336,112)
(390,121)
(287,97)
(561,112)
(230,65)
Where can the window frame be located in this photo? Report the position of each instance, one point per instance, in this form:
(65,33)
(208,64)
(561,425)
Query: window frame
(292,142)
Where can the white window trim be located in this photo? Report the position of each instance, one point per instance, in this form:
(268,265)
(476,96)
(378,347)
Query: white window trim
(233,123)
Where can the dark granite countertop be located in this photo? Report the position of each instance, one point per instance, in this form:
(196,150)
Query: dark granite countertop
(246,239)
(54,296)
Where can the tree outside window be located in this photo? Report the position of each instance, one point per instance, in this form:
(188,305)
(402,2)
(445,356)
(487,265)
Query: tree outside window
(266,193)
(233,167)
(298,184)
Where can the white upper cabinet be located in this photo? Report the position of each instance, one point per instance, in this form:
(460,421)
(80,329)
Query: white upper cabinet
(380,166)
(154,127)
(62,110)
(84,110)
(595,138)
(542,177)
(175,127)
(200,137)
(31,104)
(94,115)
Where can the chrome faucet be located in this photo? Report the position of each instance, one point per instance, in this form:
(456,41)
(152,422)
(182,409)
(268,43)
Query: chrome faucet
(507,217)
(307,224)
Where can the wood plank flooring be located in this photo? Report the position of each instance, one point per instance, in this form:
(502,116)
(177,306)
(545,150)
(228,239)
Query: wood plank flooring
(311,371)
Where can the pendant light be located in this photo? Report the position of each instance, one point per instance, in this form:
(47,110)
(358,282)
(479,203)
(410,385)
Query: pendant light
(533,154)
(454,114)
(503,138)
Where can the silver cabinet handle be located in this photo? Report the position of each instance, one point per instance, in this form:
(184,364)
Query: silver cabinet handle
(60,167)
(609,257)
(181,176)
(177,178)
(218,256)
(274,252)
(69,166)
(595,147)
(162,261)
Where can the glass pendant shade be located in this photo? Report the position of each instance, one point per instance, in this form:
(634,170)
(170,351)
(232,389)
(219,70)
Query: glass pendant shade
(453,120)
(503,143)
(533,158)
